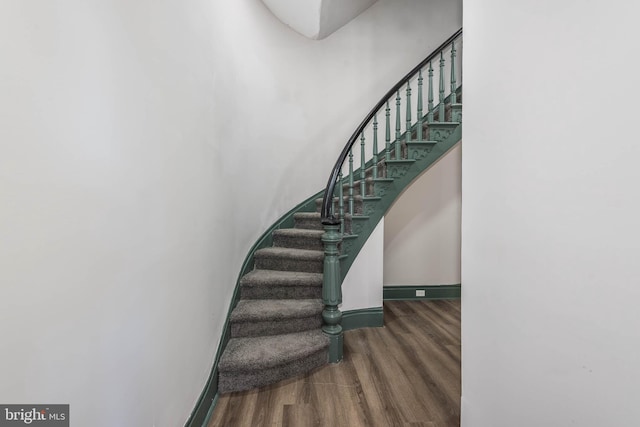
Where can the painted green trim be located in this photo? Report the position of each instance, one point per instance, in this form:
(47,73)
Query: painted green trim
(364,318)
(394,293)
(210,412)
(207,401)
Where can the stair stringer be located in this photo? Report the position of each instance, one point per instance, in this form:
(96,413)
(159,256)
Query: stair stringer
(375,210)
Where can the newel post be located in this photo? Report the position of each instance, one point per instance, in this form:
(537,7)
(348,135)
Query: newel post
(332,290)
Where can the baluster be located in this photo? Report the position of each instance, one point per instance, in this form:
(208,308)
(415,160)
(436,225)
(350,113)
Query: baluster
(419,136)
(430,95)
(351,181)
(398,125)
(387,134)
(375,146)
(341,201)
(362,166)
(454,97)
(408,115)
(441,97)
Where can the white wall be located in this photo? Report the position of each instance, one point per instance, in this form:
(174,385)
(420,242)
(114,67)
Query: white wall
(114,280)
(550,236)
(140,146)
(422,228)
(362,286)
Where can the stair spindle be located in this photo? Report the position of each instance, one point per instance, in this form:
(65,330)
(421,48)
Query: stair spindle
(441,94)
(397,145)
(408,115)
(419,107)
(387,134)
(430,96)
(375,146)
(351,182)
(341,201)
(454,99)
(362,167)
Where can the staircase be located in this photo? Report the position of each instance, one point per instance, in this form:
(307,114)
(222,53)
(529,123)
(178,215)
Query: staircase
(286,318)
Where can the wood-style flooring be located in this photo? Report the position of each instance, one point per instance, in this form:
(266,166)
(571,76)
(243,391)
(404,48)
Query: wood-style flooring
(404,374)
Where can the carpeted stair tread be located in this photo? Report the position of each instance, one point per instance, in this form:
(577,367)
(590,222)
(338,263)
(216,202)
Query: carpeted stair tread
(308,220)
(299,232)
(275,309)
(256,353)
(281,278)
(289,259)
(301,254)
(299,238)
(276,284)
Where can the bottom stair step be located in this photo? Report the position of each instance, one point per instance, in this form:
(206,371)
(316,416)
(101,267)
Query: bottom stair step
(260,317)
(255,362)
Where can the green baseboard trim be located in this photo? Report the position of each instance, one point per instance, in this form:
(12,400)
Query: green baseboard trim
(207,401)
(390,293)
(363,318)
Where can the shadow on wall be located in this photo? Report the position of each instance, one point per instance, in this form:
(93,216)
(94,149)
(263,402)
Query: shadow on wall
(316,19)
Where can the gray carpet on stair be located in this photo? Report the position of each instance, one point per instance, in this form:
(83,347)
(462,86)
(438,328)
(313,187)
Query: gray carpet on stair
(288,259)
(253,362)
(253,318)
(273,284)
(246,354)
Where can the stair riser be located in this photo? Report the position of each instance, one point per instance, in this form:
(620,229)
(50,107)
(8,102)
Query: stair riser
(245,380)
(308,224)
(381,173)
(357,206)
(356,185)
(289,264)
(298,242)
(275,327)
(281,292)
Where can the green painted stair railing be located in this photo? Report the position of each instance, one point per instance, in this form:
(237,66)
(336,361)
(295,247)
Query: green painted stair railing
(424,140)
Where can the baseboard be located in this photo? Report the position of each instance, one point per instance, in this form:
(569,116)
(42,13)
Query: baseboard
(390,293)
(363,318)
(207,401)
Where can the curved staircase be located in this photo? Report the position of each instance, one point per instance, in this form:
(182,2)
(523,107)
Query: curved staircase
(290,285)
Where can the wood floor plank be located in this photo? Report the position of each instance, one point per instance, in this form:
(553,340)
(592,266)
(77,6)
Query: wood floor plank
(406,373)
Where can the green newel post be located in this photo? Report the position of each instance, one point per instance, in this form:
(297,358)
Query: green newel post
(419,106)
(430,96)
(398,125)
(441,98)
(387,134)
(454,99)
(408,115)
(332,291)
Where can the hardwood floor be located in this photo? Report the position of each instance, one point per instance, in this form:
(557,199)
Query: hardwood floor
(404,374)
